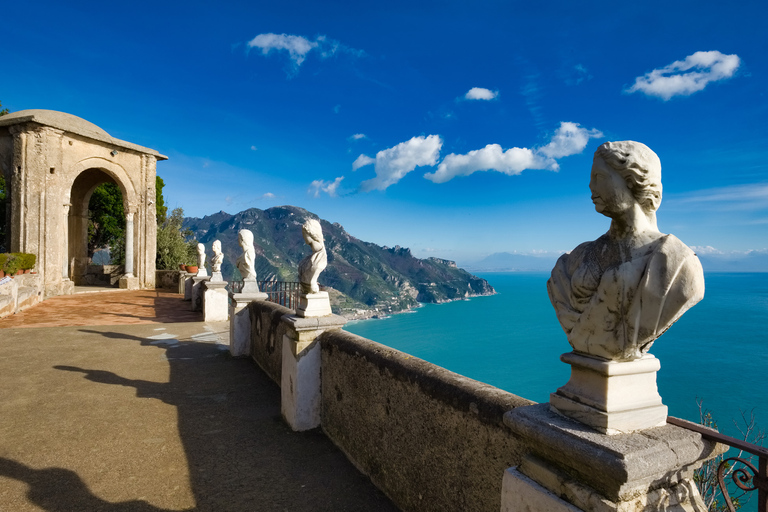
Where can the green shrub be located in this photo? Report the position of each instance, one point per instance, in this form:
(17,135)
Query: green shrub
(11,262)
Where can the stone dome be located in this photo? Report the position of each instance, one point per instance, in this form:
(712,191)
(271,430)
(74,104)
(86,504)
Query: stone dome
(56,119)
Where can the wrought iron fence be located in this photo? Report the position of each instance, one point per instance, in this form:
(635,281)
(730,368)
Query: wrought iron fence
(746,476)
(285,293)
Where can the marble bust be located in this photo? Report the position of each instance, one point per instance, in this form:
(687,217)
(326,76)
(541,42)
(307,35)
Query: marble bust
(246,262)
(615,295)
(201,261)
(311,266)
(218,256)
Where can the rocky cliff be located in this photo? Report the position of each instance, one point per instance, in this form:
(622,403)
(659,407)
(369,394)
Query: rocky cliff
(363,279)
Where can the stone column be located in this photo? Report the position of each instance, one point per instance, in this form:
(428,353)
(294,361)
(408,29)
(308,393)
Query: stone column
(129,244)
(129,281)
(240,322)
(65,244)
(300,380)
(188,283)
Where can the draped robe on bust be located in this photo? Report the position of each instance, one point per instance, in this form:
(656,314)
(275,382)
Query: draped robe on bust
(617,312)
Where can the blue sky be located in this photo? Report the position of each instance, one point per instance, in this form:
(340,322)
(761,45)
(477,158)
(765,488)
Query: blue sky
(384,117)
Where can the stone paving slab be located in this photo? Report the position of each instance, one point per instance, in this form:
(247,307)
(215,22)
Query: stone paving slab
(156,417)
(106,308)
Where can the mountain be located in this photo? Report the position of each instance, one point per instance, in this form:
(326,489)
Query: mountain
(512,262)
(365,279)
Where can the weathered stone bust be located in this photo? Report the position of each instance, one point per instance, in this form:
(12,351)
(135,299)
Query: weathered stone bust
(614,296)
(201,260)
(246,262)
(218,256)
(311,266)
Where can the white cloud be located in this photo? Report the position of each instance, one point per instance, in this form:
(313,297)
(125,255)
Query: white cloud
(329,187)
(267,195)
(254,148)
(358,136)
(569,139)
(298,47)
(491,157)
(685,77)
(479,93)
(336,109)
(705,249)
(362,161)
(393,164)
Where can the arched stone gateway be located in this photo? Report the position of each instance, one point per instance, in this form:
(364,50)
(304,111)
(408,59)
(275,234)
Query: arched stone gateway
(52,162)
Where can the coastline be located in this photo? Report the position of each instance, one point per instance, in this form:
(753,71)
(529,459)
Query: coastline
(372,314)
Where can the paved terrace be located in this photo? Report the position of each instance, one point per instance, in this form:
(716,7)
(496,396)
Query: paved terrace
(126,401)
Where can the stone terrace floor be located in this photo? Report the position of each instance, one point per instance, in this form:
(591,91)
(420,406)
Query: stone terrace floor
(126,401)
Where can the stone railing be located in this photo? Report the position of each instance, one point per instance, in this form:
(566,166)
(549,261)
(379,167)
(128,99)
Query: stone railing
(434,440)
(19,293)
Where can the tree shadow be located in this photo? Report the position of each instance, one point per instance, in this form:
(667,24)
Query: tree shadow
(241,454)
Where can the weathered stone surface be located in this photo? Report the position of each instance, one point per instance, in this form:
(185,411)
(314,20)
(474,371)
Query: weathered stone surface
(521,494)
(197,292)
(311,266)
(314,304)
(169,280)
(51,162)
(267,331)
(431,439)
(215,301)
(240,322)
(620,468)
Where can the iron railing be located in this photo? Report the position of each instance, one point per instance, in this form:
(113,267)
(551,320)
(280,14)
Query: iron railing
(285,293)
(747,478)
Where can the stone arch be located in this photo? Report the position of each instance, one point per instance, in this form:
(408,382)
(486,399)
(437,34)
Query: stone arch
(55,160)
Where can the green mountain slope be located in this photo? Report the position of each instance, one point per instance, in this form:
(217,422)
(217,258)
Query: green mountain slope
(365,279)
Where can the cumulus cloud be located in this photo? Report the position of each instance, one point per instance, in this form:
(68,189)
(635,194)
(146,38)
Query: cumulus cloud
(329,187)
(687,76)
(362,161)
(569,139)
(358,136)
(392,164)
(479,93)
(254,148)
(298,47)
(267,195)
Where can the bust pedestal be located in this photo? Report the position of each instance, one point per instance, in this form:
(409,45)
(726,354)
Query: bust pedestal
(612,397)
(240,322)
(314,304)
(197,292)
(215,301)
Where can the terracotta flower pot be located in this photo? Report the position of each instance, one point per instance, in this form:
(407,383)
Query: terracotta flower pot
(26,270)
(182,266)
(2,274)
(192,269)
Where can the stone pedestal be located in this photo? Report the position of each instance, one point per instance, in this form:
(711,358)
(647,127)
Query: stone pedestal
(240,322)
(250,286)
(216,277)
(568,466)
(314,304)
(188,283)
(183,276)
(197,292)
(610,396)
(129,282)
(300,380)
(215,301)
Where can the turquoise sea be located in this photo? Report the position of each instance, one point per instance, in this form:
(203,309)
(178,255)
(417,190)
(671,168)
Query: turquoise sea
(717,352)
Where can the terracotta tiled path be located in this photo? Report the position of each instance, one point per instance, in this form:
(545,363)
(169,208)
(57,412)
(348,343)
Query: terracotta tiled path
(132,414)
(117,307)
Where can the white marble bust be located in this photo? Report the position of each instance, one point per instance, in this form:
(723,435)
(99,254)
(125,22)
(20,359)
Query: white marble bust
(201,260)
(218,256)
(615,295)
(246,262)
(311,266)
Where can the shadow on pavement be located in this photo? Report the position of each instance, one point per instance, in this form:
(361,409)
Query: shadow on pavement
(241,455)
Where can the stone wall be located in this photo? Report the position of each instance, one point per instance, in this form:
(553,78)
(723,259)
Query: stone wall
(167,279)
(267,336)
(429,438)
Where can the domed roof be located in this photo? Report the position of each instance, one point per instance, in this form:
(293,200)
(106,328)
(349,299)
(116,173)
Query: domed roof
(72,124)
(56,119)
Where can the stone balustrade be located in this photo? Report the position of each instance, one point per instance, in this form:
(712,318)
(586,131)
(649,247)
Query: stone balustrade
(19,293)
(435,440)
